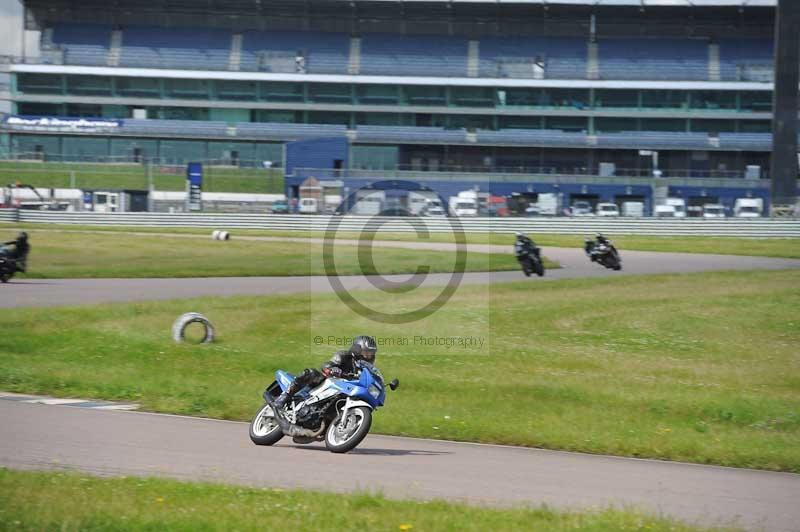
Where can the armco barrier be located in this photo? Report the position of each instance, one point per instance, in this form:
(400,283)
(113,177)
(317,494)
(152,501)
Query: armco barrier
(760,228)
(9,215)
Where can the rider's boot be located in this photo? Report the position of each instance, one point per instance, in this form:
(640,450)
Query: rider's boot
(286,396)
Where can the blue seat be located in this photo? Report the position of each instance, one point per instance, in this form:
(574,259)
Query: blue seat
(563,57)
(653,59)
(746,59)
(413,55)
(180,48)
(325,53)
(83,44)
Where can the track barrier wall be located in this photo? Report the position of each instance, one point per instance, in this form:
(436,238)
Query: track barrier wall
(734,227)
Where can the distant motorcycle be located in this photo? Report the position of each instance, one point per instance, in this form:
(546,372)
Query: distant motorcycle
(603,252)
(338,411)
(529,257)
(8,265)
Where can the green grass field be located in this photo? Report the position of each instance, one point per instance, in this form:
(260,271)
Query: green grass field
(699,368)
(135,177)
(116,255)
(74,502)
(766,247)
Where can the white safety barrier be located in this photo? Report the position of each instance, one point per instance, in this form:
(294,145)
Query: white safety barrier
(750,227)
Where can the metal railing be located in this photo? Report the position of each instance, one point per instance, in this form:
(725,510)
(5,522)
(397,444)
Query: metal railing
(755,228)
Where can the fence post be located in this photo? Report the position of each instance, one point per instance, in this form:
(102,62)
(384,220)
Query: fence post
(72,179)
(150,187)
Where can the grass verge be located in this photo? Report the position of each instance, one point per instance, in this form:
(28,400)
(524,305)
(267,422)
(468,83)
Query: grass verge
(57,255)
(766,247)
(69,501)
(698,368)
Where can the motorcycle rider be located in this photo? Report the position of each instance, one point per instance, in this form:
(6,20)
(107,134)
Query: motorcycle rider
(590,244)
(523,240)
(341,364)
(21,250)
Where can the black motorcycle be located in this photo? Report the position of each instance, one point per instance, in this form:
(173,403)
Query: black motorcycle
(529,257)
(8,265)
(604,253)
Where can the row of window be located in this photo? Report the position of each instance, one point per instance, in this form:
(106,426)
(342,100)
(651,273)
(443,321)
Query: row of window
(356,94)
(451,121)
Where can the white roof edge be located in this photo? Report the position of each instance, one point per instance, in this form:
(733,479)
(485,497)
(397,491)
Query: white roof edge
(393,80)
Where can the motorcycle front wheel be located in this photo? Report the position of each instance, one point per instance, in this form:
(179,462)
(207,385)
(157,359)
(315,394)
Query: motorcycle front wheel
(4,277)
(264,429)
(343,437)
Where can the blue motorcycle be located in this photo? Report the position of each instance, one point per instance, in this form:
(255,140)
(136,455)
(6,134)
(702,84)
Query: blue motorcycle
(338,411)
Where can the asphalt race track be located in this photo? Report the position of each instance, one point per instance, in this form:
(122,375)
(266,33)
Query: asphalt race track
(106,442)
(21,292)
(113,442)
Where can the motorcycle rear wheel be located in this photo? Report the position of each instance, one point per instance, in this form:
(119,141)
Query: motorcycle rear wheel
(527,269)
(264,429)
(538,267)
(4,278)
(343,439)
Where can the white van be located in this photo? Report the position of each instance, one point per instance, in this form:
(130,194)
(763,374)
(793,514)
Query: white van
(664,211)
(748,207)
(713,210)
(309,206)
(680,206)
(607,209)
(633,208)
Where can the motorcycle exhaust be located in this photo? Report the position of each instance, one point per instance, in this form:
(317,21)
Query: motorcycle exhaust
(292,430)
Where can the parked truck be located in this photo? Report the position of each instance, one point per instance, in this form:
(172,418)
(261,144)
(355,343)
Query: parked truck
(633,209)
(548,204)
(748,207)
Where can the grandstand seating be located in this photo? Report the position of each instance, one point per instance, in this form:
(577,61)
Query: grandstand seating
(674,140)
(746,59)
(186,48)
(413,55)
(410,134)
(281,131)
(563,58)
(191,128)
(532,137)
(276,51)
(745,141)
(654,139)
(83,44)
(653,59)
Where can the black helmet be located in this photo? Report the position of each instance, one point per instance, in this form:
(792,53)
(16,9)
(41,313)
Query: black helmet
(22,236)
(364,348)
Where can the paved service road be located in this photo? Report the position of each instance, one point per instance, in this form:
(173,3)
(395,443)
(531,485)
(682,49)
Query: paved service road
(102,442)
(21,292)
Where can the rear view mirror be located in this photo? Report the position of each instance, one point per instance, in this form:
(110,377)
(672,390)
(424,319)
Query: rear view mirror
(394,384)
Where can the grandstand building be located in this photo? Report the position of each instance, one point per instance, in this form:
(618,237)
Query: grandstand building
(595,99)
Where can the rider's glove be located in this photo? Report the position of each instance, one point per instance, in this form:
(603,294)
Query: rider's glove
(334,371)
